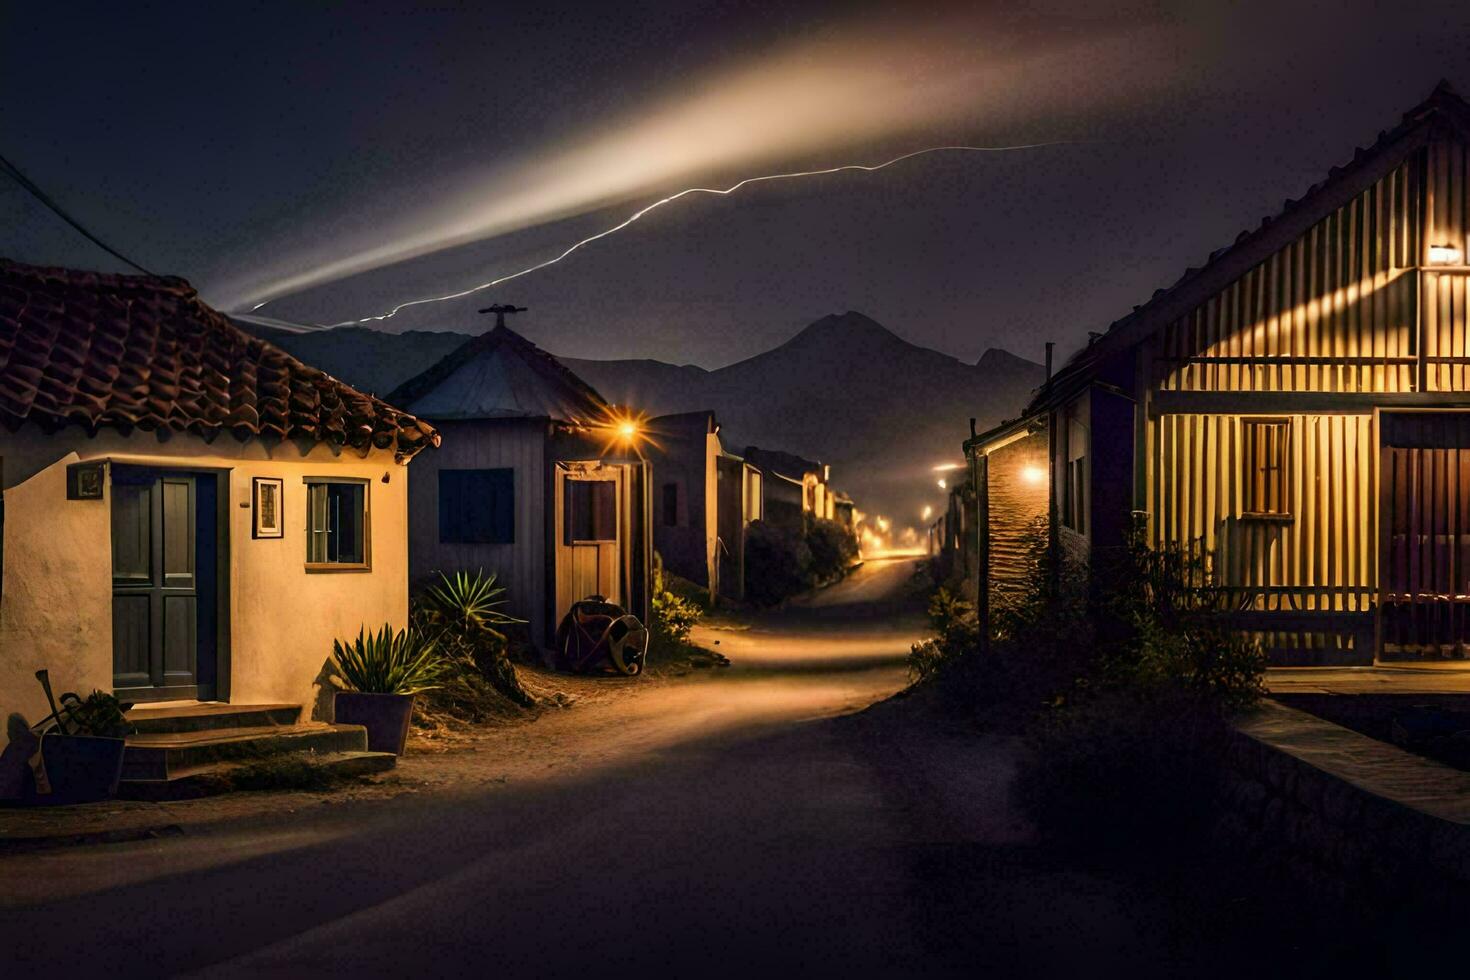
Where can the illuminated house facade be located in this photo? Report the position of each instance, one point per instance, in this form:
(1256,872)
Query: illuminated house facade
(684,451)
(792,487)
(1299,406)
(740,499)
(536,482)
(188,512)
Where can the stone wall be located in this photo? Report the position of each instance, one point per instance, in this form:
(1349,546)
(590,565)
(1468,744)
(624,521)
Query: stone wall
(1345,813)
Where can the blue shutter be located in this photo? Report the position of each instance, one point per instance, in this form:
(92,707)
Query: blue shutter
(477,506)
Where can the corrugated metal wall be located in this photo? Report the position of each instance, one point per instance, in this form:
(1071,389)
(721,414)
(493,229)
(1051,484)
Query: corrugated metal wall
(521,566)
(1322,556)
(1445,296)
(1334,311)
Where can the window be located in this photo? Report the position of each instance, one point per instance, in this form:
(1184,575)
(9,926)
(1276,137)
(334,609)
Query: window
(337,526)
(1267,454)
(754,497)
(591,511)
(1074,491)
(671,505)
(477,506)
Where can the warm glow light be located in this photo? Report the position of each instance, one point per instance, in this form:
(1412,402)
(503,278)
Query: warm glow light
(927,512)
(946,467)
(872,82)
(1033,475)
(943,485)
(1444,255)
(622,430)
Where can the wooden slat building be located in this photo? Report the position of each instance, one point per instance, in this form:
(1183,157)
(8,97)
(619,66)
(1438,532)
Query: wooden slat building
(1300,406)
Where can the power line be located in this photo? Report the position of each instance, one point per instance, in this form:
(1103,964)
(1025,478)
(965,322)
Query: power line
(56,209)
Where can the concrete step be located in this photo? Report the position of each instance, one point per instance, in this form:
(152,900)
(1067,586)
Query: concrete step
(211,715)
(212,778)
(159,755)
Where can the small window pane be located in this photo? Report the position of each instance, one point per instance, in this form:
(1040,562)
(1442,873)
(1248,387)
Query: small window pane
(1267,453)
(336,531)
(591,511)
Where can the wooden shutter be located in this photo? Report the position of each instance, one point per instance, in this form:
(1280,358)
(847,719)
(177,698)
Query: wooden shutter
(1267,445)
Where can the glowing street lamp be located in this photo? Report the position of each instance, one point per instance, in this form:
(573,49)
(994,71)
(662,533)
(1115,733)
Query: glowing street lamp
(1033,475)
(942,484)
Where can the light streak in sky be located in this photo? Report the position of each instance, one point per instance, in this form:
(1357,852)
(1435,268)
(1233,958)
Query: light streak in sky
(723,192)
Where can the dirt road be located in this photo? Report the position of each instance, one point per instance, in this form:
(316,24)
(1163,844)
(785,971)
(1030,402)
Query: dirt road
(739,822)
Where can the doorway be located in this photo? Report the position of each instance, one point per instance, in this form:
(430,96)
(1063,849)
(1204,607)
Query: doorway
(1424,566)
(166,547)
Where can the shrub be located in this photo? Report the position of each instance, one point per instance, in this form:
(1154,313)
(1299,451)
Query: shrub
(956,637)
(1166,623)
(674,616)
(833,546)
(386,662)
(461,611)
(778,564)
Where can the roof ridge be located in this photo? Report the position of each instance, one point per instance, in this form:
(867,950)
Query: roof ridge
(1443,100)
(536,359)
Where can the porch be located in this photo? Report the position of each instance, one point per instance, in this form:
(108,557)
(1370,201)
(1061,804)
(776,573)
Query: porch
(1393,679)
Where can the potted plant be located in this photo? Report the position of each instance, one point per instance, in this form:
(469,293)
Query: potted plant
(383,671)
(83,756)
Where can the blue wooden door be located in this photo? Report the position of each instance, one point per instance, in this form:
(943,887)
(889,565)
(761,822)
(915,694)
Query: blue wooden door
(162,584)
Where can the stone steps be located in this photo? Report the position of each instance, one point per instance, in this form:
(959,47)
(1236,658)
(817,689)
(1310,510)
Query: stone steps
(208,779)
(157,755)
(209,716)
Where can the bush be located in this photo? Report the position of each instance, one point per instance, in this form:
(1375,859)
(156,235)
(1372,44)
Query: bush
(778,564)
(462,612)
(956,639)
(674,616)
(100,714)
(1122,678)
(833,546)
(405,662)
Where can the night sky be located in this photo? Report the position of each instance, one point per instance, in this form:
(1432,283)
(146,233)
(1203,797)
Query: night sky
(328,152)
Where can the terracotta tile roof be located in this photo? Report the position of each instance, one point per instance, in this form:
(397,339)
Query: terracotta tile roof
(144,352)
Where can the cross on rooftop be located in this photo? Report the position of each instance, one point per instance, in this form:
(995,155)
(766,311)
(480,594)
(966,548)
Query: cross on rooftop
(501,310)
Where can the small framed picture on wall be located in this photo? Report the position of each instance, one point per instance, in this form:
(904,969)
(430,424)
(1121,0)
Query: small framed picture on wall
(267,506)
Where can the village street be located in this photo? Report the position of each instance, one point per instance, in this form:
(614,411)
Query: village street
(720,824)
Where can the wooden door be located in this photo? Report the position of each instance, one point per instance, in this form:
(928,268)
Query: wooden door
(163,548)
(1424,610)
(589,536)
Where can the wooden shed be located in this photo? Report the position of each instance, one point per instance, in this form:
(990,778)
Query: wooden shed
(537,481)
(1299,405)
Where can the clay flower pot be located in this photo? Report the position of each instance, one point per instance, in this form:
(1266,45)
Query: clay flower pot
(385,716)
(81,768)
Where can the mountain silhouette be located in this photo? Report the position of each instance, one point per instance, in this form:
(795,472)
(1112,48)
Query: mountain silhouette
(845,390)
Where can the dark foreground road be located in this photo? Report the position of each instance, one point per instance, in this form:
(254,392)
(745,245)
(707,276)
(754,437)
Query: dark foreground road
(748,823)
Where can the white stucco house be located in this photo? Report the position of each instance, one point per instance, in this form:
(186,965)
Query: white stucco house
(188,512)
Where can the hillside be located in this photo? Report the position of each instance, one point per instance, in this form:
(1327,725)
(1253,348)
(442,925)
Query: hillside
(845,390)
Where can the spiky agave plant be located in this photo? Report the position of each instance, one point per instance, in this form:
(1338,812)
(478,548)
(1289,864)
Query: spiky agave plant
(469,602)
(385,662)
